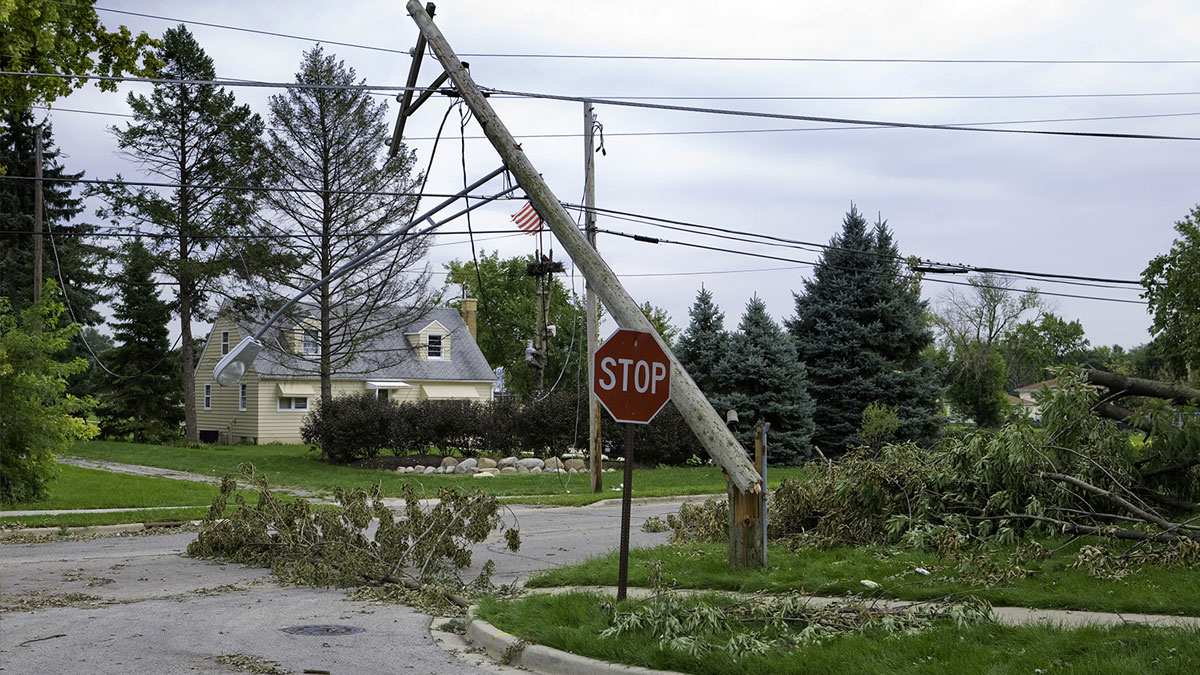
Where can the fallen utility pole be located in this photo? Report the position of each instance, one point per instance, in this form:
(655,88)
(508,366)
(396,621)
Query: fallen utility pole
(704,422)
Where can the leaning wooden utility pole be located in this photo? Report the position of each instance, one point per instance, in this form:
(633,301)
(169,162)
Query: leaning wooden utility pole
(595,452)
(704,422)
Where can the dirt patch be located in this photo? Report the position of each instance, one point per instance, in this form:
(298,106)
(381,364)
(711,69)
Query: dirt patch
(391,462)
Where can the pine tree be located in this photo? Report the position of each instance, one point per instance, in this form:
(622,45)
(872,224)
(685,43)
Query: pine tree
(82,267)
(142,399)
(196,137)
(334,139)
(702,344)
(760,377)
(862,330)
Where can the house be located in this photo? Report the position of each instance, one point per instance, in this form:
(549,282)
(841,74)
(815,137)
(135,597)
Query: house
(1026,398)
(434,357)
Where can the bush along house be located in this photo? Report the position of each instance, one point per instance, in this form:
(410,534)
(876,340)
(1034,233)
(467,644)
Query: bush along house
(434,357)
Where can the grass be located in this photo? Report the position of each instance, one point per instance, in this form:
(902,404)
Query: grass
(79,488)
(298,466)
(1052,584)
(573,622)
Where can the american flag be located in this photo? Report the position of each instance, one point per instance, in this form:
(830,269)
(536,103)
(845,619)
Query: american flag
(527,219)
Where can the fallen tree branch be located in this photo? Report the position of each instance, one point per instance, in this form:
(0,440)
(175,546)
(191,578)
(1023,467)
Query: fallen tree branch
(1119,414)
(1077,528)
(1171,468)
(1119,501)
(1136,386)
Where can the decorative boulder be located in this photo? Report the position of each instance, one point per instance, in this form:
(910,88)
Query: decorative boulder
(575,465)
(536,469)
(552,464)
(449,461)
(509,469)
(507,462)
(484,474)
(531,463)
(521,469)
(466,464)
(486,463)
(572,470)
(429,469)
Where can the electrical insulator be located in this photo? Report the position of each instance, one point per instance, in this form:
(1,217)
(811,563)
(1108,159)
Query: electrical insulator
(551,330)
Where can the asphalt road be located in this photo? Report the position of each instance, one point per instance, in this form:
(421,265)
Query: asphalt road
(136,605)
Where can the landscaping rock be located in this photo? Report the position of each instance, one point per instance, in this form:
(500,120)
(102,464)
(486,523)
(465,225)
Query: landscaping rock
(531,462)
(429,469)
(468,463)
(572,470)
(486,463)
(575,464)
(536,469)
(509,469)
(552,464)
(484,474)
(522,469)
(507,462)
(449,461)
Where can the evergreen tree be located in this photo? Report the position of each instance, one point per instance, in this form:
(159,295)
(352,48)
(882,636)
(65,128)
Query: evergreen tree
(142,398)
(81,260)
(334,140)
(760,377)
(861,328)
(702,344)
(196,137)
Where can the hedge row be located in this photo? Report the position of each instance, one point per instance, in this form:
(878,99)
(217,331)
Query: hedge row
(361,426)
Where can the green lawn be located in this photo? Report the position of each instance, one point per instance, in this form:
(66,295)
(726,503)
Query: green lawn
(1051,585)
(573,622)
(297,466)
(78,488)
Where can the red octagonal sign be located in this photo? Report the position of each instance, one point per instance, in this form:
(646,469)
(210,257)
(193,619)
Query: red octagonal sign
(631,376)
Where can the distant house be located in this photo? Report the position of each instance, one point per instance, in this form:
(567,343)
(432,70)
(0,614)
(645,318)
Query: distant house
(435,357)
(1026,398)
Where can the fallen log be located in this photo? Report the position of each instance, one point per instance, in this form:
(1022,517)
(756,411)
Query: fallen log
(1136,386)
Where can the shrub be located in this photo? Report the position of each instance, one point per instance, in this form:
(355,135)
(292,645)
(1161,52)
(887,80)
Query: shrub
(553,423)
(349,428)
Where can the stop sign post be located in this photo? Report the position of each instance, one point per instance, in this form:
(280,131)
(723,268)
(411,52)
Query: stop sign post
(632,380)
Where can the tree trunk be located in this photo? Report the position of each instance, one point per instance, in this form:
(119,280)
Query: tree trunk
(1136,386)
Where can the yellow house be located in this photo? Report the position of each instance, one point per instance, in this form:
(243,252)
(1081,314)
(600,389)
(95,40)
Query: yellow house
(435,357)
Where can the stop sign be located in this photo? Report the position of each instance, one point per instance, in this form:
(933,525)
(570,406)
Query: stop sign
(631,376)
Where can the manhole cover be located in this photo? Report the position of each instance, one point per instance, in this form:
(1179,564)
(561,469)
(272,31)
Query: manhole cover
(323,629)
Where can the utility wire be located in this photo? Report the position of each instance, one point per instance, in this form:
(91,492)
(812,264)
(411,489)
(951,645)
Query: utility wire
(829,120)
(246,188)
(634,104)
(656,240)
(629,57)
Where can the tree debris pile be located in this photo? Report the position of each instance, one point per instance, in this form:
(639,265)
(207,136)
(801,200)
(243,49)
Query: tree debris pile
(698,624)
(1077,474)
(423,552)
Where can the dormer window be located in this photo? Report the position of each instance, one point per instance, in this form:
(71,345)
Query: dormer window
(434,348)
(309,345)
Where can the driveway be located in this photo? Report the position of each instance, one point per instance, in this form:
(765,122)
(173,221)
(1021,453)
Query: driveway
(134,604)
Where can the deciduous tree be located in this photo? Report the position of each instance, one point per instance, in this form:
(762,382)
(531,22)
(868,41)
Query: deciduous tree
(1172,282)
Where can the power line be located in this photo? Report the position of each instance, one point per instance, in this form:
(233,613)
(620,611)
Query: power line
(633,104)
(709,132)
(220,82)
(628,57)
(656,240)
(829,120)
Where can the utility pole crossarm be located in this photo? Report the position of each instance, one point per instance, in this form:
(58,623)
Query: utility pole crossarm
(704,422)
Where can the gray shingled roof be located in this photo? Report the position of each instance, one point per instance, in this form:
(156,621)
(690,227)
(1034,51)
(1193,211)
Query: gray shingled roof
(466,362)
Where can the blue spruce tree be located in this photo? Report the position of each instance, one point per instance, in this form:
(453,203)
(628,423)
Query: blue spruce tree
(760,377)
(862,330)
(701,346)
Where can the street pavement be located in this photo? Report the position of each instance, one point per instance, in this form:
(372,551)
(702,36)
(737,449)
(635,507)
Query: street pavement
(135,604)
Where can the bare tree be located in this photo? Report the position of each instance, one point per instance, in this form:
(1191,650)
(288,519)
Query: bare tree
(336,194)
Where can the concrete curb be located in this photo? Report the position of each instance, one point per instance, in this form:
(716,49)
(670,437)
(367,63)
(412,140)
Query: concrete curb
(616,501)
(98,530)
(512,650)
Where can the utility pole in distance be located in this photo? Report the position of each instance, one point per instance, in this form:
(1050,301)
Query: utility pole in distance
(704,422)
(595,452)
(37,215)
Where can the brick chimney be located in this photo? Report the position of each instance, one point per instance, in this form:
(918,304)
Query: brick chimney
(469,311)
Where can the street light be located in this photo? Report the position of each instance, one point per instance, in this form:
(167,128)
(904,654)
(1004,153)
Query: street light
(230,369)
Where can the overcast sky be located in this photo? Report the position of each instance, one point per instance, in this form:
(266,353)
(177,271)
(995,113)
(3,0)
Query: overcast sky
(1099,207)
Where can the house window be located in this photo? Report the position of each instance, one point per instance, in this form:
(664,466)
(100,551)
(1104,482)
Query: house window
(208,397)
(309,345)
(434,349)
(287,403)
(224,342)
(242,397)
(381,394)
